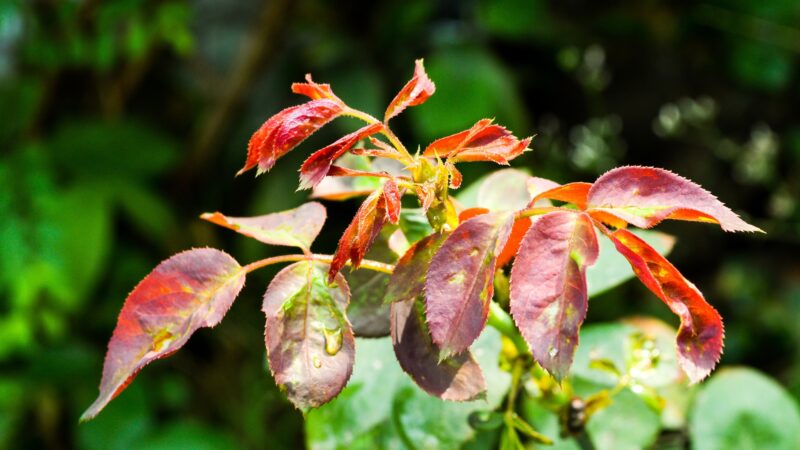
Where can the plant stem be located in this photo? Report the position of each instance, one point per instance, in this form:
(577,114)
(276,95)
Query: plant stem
(386,132)
(366,264)
(502,322)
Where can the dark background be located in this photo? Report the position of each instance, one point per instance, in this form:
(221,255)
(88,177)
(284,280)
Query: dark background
(121,121)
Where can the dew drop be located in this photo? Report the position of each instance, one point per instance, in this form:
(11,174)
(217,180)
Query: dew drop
(317,363)
(553,352)
(333,340)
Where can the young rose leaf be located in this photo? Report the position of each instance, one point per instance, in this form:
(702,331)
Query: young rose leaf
(548,286)
(361,233)
(537,186)
(460,281)
(190,290)
(415,92)
(294,228)
(518,232)
(314,90)
(392,197)
(286,130)
(408,279)
(644,196)
(700,336)
(456,378)
(575,193)
(483,142)
(316,167)
(310,344)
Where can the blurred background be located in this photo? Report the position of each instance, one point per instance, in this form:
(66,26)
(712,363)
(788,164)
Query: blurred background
(123,120)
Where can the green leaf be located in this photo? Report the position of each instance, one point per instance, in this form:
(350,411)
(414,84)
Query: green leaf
(743,409)
(612,269)
(381,408)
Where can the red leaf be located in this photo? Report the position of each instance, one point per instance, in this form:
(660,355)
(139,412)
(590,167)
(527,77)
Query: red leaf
(360,234)
(190,290)
(644,196)
(469,213)
(294,228)
(699,340)
(504,189)
(455,176)
(392,197)
(316,167)
(538,185)
(483,142)
(511,248)
(408,278)
(575,193)
(415,92)
(548,286)
(315,91)
(456,378)
(309,341)
(459,284)
(287,129)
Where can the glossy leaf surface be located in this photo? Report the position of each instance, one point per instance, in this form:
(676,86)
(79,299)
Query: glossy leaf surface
(548,286)
(644,196)
(190,290)
(294,228)
(310,344)
(316,167)
(415,92)
(459,285)
(408,279)
(360,234)
(699,340)
(367,312)
(483,142)
(456,378)
(287,129)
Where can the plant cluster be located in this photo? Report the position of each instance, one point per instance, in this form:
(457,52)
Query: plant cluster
(441,281)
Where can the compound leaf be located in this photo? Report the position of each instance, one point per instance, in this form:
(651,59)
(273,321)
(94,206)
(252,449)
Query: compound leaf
(548,286)
(644,196)
(190,290)
(296,227)
(699,340)
(460,280)
(310,344)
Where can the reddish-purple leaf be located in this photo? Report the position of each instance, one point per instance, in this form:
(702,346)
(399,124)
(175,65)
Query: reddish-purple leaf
(504,189)
(483,142)
(644,196)
(286,130)
(314,90)
(294,228)
(408,278)
(456,378)
(699,340)
(575,193)
(190,290)
(415,92)
(459,284)
(316,167)
(359,235)
(392,197)
(537,186)
(309,341)
(548,286)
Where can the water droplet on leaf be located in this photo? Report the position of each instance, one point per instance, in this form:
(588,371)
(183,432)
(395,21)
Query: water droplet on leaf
(333,340)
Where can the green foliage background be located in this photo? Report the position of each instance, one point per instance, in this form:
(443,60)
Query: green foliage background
(122,120)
